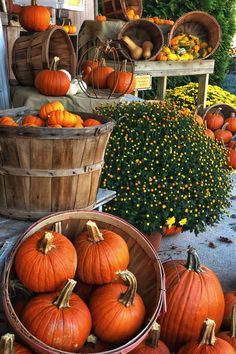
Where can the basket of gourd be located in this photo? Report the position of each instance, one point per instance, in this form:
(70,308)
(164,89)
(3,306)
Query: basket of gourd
(83,273)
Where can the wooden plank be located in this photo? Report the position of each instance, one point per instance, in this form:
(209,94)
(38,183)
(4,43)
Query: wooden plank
(202,89)
(12,33)
(62,187)
(161,87)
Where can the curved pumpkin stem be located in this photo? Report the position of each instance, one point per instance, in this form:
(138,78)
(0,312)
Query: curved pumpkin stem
(54,64)
(63,300)
(233,323)
(45,245)
(207,335)
(127,298)
(224,127)
(154,336)
(193,261)
(6,344)
(94,233)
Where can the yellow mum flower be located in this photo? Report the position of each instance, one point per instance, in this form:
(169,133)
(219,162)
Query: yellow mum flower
(183,222)
(170,221)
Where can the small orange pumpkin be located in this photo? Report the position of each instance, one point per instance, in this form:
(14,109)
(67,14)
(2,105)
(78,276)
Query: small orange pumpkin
(214,119)
(63,118)
(55,126)
(34,18)
(121,81)
(34,120)
(208,132)
(91,122)
(198,119)
(49,107)
(98,76)
(72,29)
(223,135)
(232,157)
(66,28)
(100,18)
(6,120)
(232,122)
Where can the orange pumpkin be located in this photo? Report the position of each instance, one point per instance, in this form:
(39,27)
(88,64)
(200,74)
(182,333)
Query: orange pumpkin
(94,345)
(100,254)
(100,18)
(231,144)
(223,135)
(34,18)
(8,346)
(63,118)
(72,29)
(173,230)
(231,120)
(162,56)
(66,28)
(207,343)
(230,300)
(55,126)
(91,122)
(8,121)
(208,132)
(36,121)
(121,81)
(98,76)
(52,82)
(231,158)
(230,336)
(52,317)
(178,325)
(198,119)
(49,107)
(120,303)
(79,120)
(45,260)
(214,120)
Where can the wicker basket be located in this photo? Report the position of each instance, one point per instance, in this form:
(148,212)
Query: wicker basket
(44,170)
(118,8)
(33,53)
(144,263)
(200,24)
(226,109)
(140,31)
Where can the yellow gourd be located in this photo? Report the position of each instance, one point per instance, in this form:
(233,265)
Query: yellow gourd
(135,51)
(147,49)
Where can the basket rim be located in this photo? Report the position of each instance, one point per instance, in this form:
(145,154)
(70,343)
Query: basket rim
(17,324)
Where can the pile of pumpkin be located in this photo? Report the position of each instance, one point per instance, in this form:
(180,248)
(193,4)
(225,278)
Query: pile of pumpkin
(51,115)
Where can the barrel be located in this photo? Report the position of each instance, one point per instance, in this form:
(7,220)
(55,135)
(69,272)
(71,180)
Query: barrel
(144,264)
(119,8)
(44,170)
(225,110)
(33,53)
(200,24)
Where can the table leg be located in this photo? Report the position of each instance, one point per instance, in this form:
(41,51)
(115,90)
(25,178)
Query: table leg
(202,89)
(161,87)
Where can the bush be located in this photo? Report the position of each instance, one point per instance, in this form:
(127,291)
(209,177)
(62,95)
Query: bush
(164,168)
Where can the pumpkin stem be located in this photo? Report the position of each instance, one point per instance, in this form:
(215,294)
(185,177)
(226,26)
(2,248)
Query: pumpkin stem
(154,336)
(92,339)
(6,344)
(94,233)
(54,64)
(217,111)
(233,323)
(45,245)
(225,126)
(127,298)
(64,298)
(193,261)
(124,66)
(207,335)
(33,3)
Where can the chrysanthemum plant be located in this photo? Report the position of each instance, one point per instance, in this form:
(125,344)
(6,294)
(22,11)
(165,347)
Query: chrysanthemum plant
(164,169)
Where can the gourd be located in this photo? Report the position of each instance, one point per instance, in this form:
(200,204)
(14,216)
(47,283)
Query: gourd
(67,73)
(230,296)
(178,324)
(223,135)
(136,52)
(8,121)
(147,49)
(121,81)
(117,310)
(45,260)
(60,319)
(9,346)
(34,120)
(214,119)
(49,107)
(198,119)
(100,254)
(231,120)
(207,343)
(91,122)
(230,336)
(82,86)
(34,18)
(73,89)
(63,118)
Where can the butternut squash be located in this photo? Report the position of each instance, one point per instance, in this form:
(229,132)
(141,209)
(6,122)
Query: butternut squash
(147,49)
(136,52)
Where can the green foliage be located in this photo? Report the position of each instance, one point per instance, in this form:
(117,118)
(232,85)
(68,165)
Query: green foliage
(164,168)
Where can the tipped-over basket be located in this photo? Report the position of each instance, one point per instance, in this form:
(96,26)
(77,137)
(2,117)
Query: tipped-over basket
(144,263)
(225,110)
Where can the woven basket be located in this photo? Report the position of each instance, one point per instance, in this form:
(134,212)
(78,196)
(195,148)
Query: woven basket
(200,24)
(33,53)
(118,8)
(226,109)
(144,263)
(45,170)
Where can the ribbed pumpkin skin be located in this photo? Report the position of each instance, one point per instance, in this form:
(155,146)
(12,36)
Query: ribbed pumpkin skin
(65,329)
(121,82)
(227,337)
(98,261)
(104,306)
(214,120)
(230,299)
(45,273)
(33,120)
(34,18)
(232,124)
(90,122)
(52,82)
(49,107)
(19,349)
(220,347)
(142,348)
(191,298)
(99,75)
(63,118)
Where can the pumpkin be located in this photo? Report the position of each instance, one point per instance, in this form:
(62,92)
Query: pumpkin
(94,345)
(72,29)
(67,73)
(33,120)
(230,298)
(45,260)
(60,319)
(121,81)
(209,133)
(34,18)
(231,144)
(8,346)
(173,230)
(191,286)
(117,310)
(198,119)
(98,76)
(100,254)
(223,135)
(100,18)
(55,126)
(152,345)
(231,161)
(91,122)
(49,107)
(52,82)
(214,119)
(8,121)
(63,118)
(231,120)
(207,343)
(230,336)
(66,28)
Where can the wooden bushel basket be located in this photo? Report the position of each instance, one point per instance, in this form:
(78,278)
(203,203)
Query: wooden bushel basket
(45,170)
(33,53)
(118,8)
(225,110)
(200,24)
(144,263)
